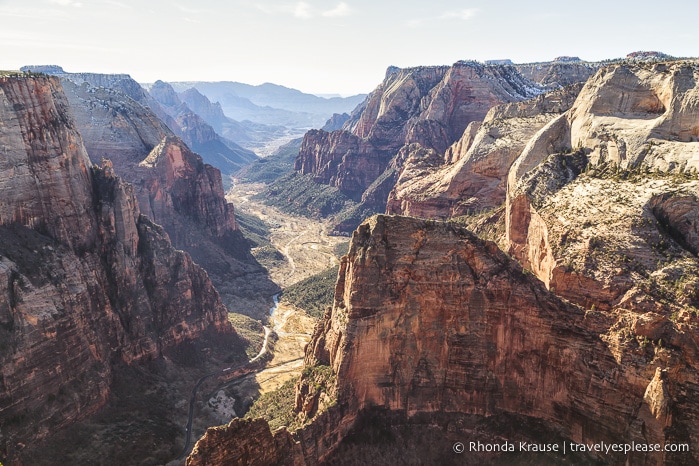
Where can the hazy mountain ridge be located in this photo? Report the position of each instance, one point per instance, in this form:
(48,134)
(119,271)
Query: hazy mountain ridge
(275,96)
(202,137)
(271,104)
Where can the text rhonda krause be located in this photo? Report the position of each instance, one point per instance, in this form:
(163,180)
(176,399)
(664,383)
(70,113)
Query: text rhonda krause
(564,447)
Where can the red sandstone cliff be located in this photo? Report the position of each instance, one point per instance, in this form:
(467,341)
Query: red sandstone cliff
(450,324)
(431,106)
(471,176)
(174,188)
(432,325)
(86,280)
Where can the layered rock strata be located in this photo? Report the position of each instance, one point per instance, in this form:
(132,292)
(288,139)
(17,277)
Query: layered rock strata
(433,324)
(86,280)
(174,188)
(611,236)
(472,174)
(419,339)
(431,106)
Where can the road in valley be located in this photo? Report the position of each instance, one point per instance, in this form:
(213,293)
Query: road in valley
(307,250)
(221,372)
(304,242)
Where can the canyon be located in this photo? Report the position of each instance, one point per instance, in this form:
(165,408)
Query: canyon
(172,184)
(89,283)
(532,278)
(584,332)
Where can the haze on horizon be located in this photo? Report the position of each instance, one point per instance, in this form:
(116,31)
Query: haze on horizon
(330,46)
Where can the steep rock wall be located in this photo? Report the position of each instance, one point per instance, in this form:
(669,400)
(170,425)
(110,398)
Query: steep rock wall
(628,121)
(473,174)
(428,318)
(174,187)
(430,106)
(85,279)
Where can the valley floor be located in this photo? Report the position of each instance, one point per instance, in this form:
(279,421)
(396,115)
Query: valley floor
(304,242)
(307,250)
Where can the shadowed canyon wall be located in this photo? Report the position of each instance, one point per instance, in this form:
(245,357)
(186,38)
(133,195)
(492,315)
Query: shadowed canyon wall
(86,280)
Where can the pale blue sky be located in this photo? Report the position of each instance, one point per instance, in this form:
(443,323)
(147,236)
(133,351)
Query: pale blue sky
(327,46)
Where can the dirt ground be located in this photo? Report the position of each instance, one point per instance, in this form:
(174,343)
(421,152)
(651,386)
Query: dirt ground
(294,328)
(307,250)
(304,242)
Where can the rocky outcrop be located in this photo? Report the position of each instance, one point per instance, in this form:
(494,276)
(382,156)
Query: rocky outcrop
(679,215)
(180,182)
(430,106)
(412,337)
(472,174)
(640,149)
(114,125)
(341,159)
(654,124)
(244,442)
(589,334)
(86,280)
(432,325)
(174,188)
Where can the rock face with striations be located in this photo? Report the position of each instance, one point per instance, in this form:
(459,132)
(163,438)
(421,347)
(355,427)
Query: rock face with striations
(428,318)
(611,236)
(430,106)
(174,188)
(472,174)
(86,280)
(432,325)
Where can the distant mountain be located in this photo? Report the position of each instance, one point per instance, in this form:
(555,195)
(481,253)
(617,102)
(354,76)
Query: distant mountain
(271,103)
(201,136)
(648,56)
(247,133)
(212,113)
